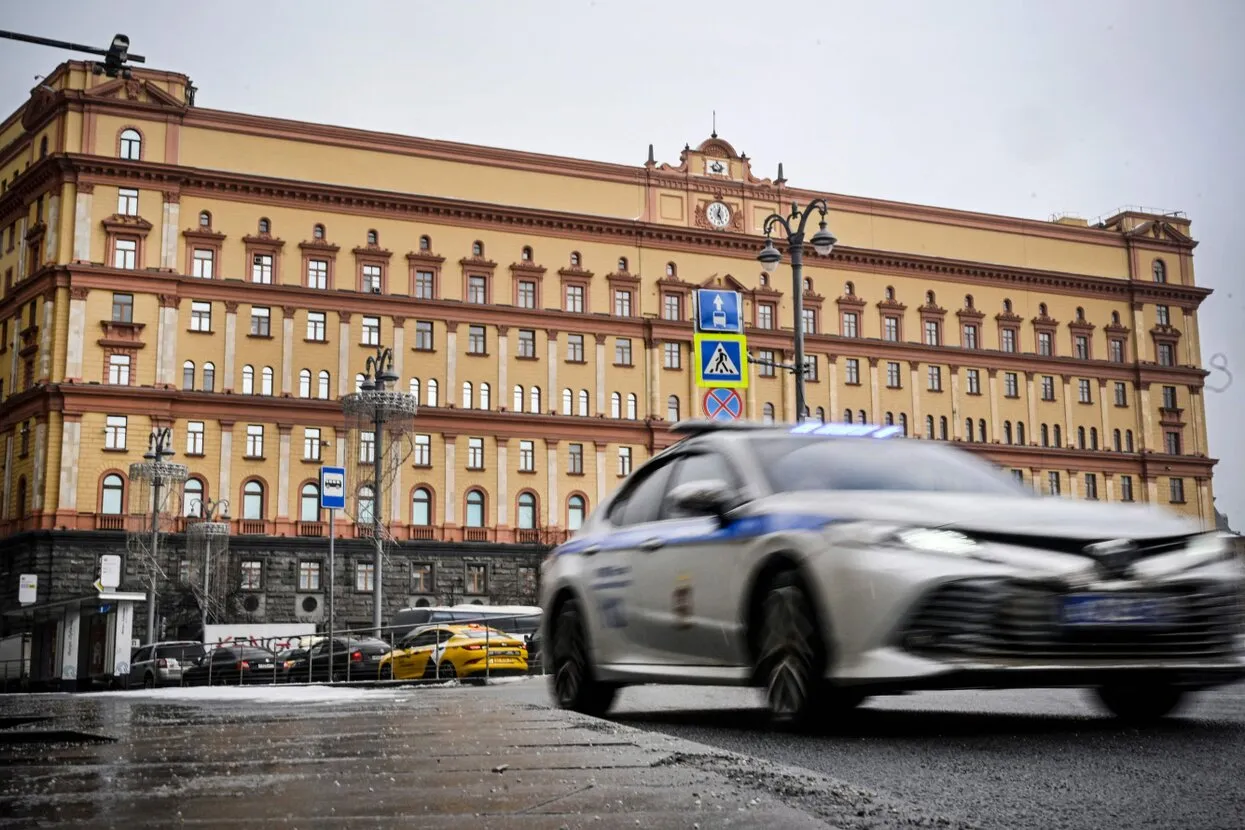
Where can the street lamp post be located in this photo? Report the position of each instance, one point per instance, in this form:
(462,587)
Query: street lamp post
(823,243)
(378,374)
(155,468)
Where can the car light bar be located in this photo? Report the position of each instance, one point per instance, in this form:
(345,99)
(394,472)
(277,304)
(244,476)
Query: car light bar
(847,430)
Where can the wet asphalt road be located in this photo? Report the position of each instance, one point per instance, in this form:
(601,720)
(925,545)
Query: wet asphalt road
(1008,760)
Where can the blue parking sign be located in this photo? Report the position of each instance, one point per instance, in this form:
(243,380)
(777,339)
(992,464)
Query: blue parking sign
(718,311)
(333,488)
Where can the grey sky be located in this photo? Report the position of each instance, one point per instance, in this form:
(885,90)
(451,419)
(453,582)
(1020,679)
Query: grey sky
(1019,108)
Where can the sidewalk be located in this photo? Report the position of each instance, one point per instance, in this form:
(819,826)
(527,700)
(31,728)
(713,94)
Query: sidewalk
(319,757)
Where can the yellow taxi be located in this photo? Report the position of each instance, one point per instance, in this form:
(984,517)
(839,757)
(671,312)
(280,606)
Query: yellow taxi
(447,652)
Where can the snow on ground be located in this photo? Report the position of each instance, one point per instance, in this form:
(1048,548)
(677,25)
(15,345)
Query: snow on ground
(282,694)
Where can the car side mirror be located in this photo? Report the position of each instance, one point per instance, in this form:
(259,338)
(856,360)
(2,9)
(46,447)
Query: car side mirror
(712,496)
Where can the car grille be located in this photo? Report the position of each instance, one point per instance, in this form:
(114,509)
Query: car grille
(992,618)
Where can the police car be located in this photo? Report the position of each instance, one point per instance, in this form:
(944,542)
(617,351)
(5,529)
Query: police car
(828,563)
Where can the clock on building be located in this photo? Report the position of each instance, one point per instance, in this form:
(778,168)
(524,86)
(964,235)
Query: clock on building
(718,214)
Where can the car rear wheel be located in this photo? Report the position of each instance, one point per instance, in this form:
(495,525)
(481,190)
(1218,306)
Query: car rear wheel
(793,658)
(574,685)
(1143,703)
(447,670)
(386,672)
(149,682)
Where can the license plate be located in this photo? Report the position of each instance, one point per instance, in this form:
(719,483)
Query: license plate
(1115,609)
(375,658)
(263,665)
(506,653)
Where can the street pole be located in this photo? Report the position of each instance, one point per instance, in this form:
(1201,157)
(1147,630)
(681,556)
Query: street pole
(155,552)
(377,540)
(823,243)
(332,572)
(207,575)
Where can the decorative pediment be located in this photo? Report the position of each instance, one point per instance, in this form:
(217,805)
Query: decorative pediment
(851,301)
(40,102)
(321,246)
(135,90)
(725,281)
(1162,231)
(1008,317)
(119,223)
(970,314)
(529,268)
(1044,321)
(892,305)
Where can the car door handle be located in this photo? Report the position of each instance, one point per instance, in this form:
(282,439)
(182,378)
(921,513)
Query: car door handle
(590,550)
(652,544)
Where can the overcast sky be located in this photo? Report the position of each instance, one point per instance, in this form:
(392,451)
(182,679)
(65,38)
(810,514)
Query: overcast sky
(1017,107)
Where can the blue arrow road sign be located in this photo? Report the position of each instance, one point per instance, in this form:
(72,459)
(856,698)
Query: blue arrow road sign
(718,311)
(333,488)
(721,360)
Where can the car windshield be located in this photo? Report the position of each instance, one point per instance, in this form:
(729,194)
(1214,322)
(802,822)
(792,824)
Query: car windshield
(797,462)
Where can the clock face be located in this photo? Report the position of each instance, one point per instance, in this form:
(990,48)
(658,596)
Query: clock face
(718,214)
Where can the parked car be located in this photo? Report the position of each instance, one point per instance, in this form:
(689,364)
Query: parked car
(233,666)
(447,652)
(162,664)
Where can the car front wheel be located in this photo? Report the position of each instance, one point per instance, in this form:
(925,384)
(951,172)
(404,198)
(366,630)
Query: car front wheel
(1142,703)
(574,684)
(793,659)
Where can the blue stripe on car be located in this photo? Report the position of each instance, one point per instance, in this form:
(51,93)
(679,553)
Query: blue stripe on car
(696,531)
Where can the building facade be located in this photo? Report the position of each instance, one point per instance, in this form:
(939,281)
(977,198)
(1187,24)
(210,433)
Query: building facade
(227,276)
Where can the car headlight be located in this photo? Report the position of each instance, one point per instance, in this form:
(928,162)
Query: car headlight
(1206,548)
(932,540)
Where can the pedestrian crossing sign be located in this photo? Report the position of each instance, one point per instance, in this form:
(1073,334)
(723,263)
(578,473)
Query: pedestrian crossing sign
(721,360)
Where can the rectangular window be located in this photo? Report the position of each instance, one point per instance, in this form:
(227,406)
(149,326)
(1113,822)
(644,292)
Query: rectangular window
(809,318)
(371,331)
(527,456)
(1011,386)
(1048,388)
(1169,397)
(477,342)
(318,274)
(622,351)
(1171,442)
(575,459)
(1045,346)
(932,334)
(671,307)
(527,294)
(1084,391)
(1121,394)
(765,316)
(1082,347)
(935,378)
(1019,475)
(127,202)
(624,461)
(1009,340)
(119,369)
(622,303)
(316,326)
(200,316)
(123,308)
(425,283)
(1117,351)
(853,371)
(765,361)
(203,264)
(893,380)
(371,279)
(527,343)
(261,269)
(194,438)
(421,578)
(1126,488)
(575,299)
(1167,355)
(810,367)
(974,381)
(851,324)
(311,443)
(422,453)
(1175,488)
(261,319)
(1052,482)
(255,441)
(475,453)
(477,579)
(575,348)
(1163,314)
(672,355)
(477,290)
(367,446)
(252,575)
(423,336)
(890,329)
(970,336)
(114,432)
(364,574)
(1091,486)
(125,254)
(308,576)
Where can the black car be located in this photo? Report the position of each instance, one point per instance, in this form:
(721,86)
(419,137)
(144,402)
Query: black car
(342,659)
(233,666)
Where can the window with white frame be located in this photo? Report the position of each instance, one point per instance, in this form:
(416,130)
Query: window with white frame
(423,336)
(933,336)
(671,307)
(633,406)
(119,369)
(308,576)
(934,374)
(974,381)
(527,456)
(364,574)
(131,145)
(371,279)
(252,575)
(311,443)
(127,202)
(254,440)
(304,383)
(200,316)
(114,432)
(261,269)
(893,379)
(422,453)
(852,371)
(203,263)
(424,285)
(316,326)
(527,343)
(575,348)
(367,446)
(125,254)
(371,331)
(575,299)
(194,438)
(1121,394)
(477,579)
(765,316)
(261,321)
(317,274)
(851,324)
(575,459)
(622,351)
(809,316)
(1086,395)
(527,294)
(477,290)
(671,355)
(624,461)
(475,453)
(322,383)
(622,303)
(477,340)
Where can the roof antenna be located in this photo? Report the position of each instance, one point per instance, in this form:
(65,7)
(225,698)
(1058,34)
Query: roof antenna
(714,134)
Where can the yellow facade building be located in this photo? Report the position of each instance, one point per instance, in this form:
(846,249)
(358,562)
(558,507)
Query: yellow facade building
(227,275)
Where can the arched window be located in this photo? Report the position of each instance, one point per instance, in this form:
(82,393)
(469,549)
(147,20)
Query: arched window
(576,509)
(304,383)
(903,422)
(1007,306)
(568,402)
(467,394)
(615,404)
(533,400)
(266,381)
(192,497)
(309,503)
(265,227)
(253,500)
(1080,314)
(1080,438)
(367,505)
(413,388)
(672,408)
(888,418)
(430,392)
(131,145)
(475,509)
(518,402)
(847,416)
(942,428)
(248,380)
(1044,432)
(188,375)
(1128,441)
(672,270)
(526,514)
(317,232)
(1093,438)
(808,285)
(477,248)
(862,417)
(981,429)
(584,411)
(929,426)
(1115,318)
(1058,436)
(373,238)
(112,495)
(486,393)
(576,259)
(526,253)
(43,147)
(205,219)
(968,300)
(929,298)
(849,289)
(1160,271)
(1117,440)
(209,377)
(421,507)
(1007,432)
(425,243)
(890,293)
(1020,433)
(322,382)
(767,413)
(622,264)
(1041,309)
(821,414)
(632,406)
(765,279)
(968,430)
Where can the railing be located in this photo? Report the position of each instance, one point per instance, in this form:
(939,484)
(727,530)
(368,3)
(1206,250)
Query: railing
(476,534)
(110,522)
(311,529)
(423,533)
(253,527)
(527,536)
